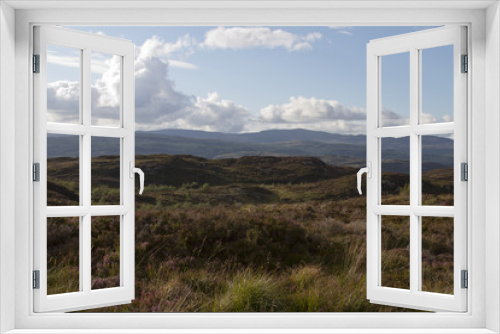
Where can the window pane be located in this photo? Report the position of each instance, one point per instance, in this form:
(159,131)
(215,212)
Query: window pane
(396,252)
(395,171)
(63,84)
(105,252)
(63,255)
(395,89)
(105,171)
(63,170)
(106,89)
(437,254)
(437,84)
(437,170)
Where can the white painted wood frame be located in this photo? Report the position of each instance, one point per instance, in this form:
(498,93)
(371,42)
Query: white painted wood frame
(86,297)
(414,43)
(483,313)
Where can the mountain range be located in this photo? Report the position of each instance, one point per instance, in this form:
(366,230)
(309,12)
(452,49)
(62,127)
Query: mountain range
(334,149)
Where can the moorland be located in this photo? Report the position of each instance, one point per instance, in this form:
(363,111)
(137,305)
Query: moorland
(240,231)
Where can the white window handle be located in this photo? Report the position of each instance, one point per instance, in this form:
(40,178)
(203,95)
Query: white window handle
(141,175)
(368,171)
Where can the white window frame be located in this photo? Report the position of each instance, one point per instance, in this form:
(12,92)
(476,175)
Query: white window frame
(413,44)
(85,298)
(483,101)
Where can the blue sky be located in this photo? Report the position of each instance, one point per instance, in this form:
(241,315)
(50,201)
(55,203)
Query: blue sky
(235,79)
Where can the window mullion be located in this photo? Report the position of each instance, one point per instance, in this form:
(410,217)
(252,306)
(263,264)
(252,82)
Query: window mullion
(415,244)
(86,164)
(81,226)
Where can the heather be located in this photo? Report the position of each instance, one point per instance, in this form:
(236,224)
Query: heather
(249,234)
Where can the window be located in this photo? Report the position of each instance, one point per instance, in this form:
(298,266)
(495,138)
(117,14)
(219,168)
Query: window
(476,317)
(206,260)
(396,268)
(78,281)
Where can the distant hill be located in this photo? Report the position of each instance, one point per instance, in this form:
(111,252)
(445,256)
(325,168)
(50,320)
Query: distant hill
(226,181)
(334,149)
(267,137)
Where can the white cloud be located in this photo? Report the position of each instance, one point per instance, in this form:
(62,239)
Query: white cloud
(307,110)
(428,118)
(448,118)
(63,101)
(312,113)
(63,97)
(106,92)
(390,118)
(157,100)
(344,30)
(182,64)
(216,114)
(158,104)
(208,114)
(250,37)
(66,61)
(158,48)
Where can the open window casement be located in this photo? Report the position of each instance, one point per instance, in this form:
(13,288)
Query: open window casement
(78,124)
(408,219)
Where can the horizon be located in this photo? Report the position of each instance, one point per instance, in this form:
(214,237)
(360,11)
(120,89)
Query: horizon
(255,132)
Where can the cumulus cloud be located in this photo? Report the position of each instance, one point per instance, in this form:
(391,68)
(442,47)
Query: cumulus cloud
(216,114)
(156,47)
(448,118)
(158,104)
(314,114)
(106,91)
(63,97)
(306,110)
(63,101)
(390,118)
(250,37)
(428,118)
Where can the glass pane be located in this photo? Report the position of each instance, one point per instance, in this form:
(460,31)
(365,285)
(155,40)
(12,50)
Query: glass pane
(437,84)
(63,84)
(63,255)
(437,254)
(105,171)
(395,89)
(106,89)
(396,252)
(63,170)
(105,252)
(395,171)
(437,170)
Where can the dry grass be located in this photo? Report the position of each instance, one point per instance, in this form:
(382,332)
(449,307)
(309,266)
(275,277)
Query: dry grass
(283,247)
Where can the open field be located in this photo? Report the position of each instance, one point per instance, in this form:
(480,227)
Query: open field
(249,234)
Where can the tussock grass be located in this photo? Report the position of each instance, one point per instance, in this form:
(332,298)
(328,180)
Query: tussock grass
(290,246)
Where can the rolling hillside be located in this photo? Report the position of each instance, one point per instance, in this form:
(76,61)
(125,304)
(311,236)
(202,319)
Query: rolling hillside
(334,149)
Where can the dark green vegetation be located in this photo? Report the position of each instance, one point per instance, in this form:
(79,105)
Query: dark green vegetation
(252,234)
